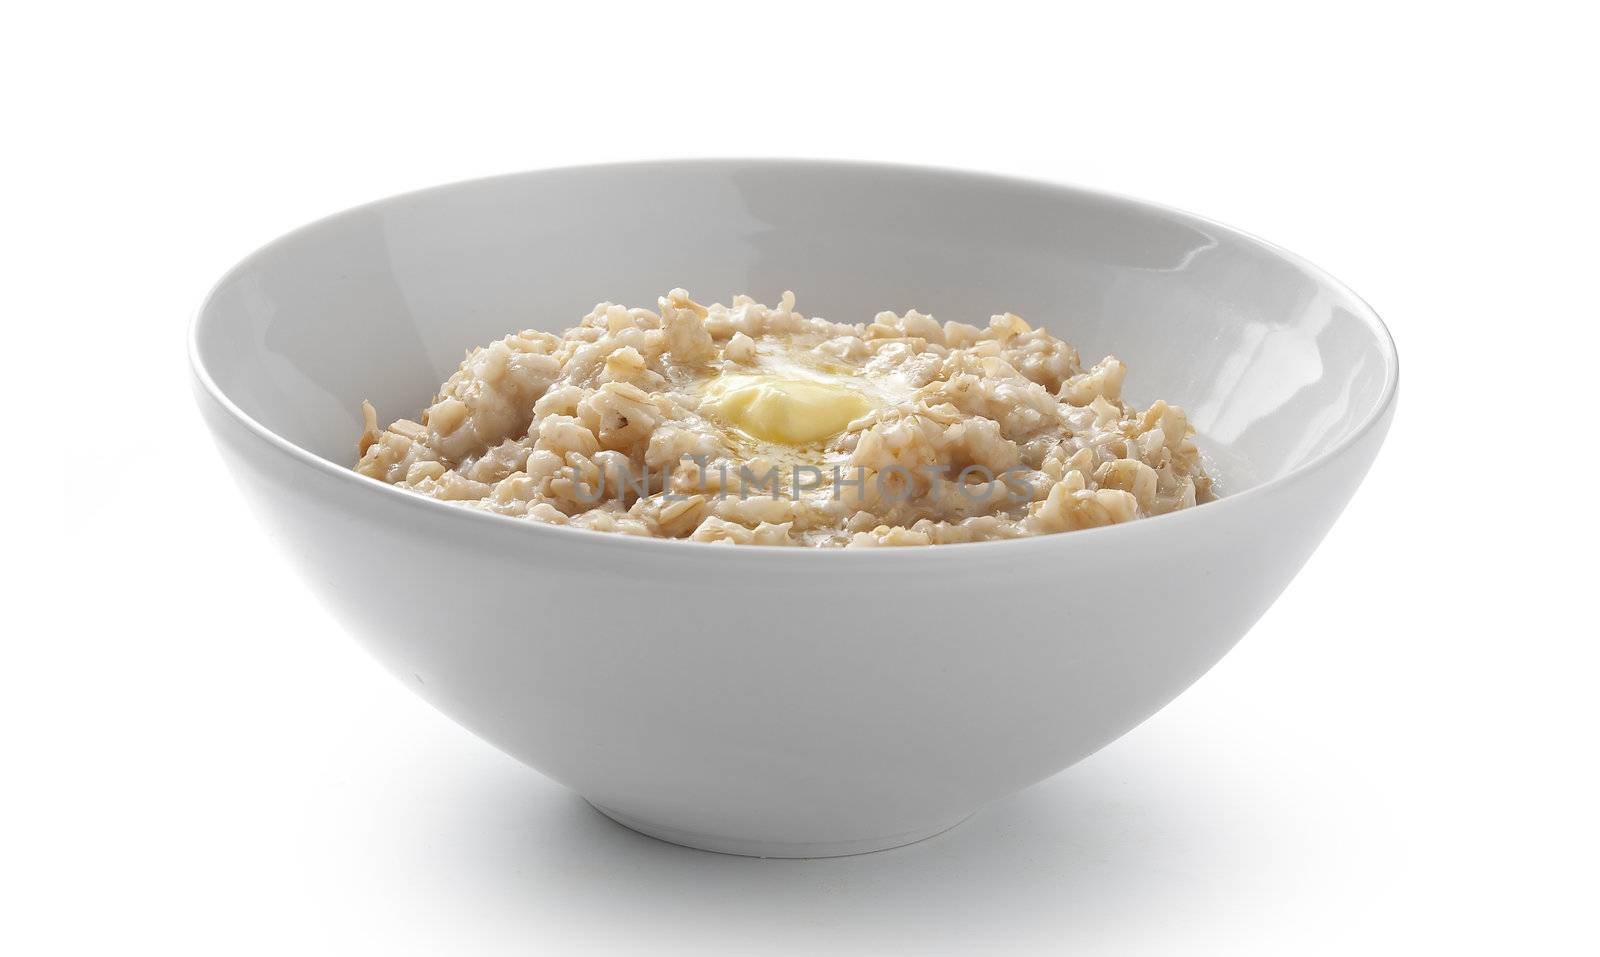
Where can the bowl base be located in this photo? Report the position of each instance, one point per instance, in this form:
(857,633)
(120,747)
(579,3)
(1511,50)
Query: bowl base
(745,847)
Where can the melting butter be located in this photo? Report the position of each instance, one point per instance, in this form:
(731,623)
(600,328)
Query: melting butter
(786,409)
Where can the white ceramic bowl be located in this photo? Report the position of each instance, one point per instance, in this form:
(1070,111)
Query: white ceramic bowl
(789,702)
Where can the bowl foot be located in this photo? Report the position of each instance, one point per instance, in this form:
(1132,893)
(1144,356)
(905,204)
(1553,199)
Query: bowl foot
(745,847)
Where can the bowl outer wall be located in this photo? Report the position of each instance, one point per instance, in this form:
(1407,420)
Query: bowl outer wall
(789,697)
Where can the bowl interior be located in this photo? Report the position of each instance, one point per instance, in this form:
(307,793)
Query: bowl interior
(1274,362)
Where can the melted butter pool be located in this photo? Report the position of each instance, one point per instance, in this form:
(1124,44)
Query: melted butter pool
(785,409)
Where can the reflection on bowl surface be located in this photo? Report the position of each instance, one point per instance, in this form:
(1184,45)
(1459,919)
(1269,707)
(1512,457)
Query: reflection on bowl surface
(779,701)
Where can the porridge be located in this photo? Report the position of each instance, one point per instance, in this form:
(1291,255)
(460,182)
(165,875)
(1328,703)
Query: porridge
(753,424)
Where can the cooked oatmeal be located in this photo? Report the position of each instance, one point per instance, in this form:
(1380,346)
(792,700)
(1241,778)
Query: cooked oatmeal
(753,424)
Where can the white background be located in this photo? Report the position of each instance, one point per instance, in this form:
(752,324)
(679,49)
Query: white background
(1400,758)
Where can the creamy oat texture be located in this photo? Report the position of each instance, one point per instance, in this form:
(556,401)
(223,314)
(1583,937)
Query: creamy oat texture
(901,431)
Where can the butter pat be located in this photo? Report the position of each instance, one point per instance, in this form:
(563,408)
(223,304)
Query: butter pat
(785,410)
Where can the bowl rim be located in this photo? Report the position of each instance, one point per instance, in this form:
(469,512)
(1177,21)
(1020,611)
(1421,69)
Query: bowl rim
(588,537)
